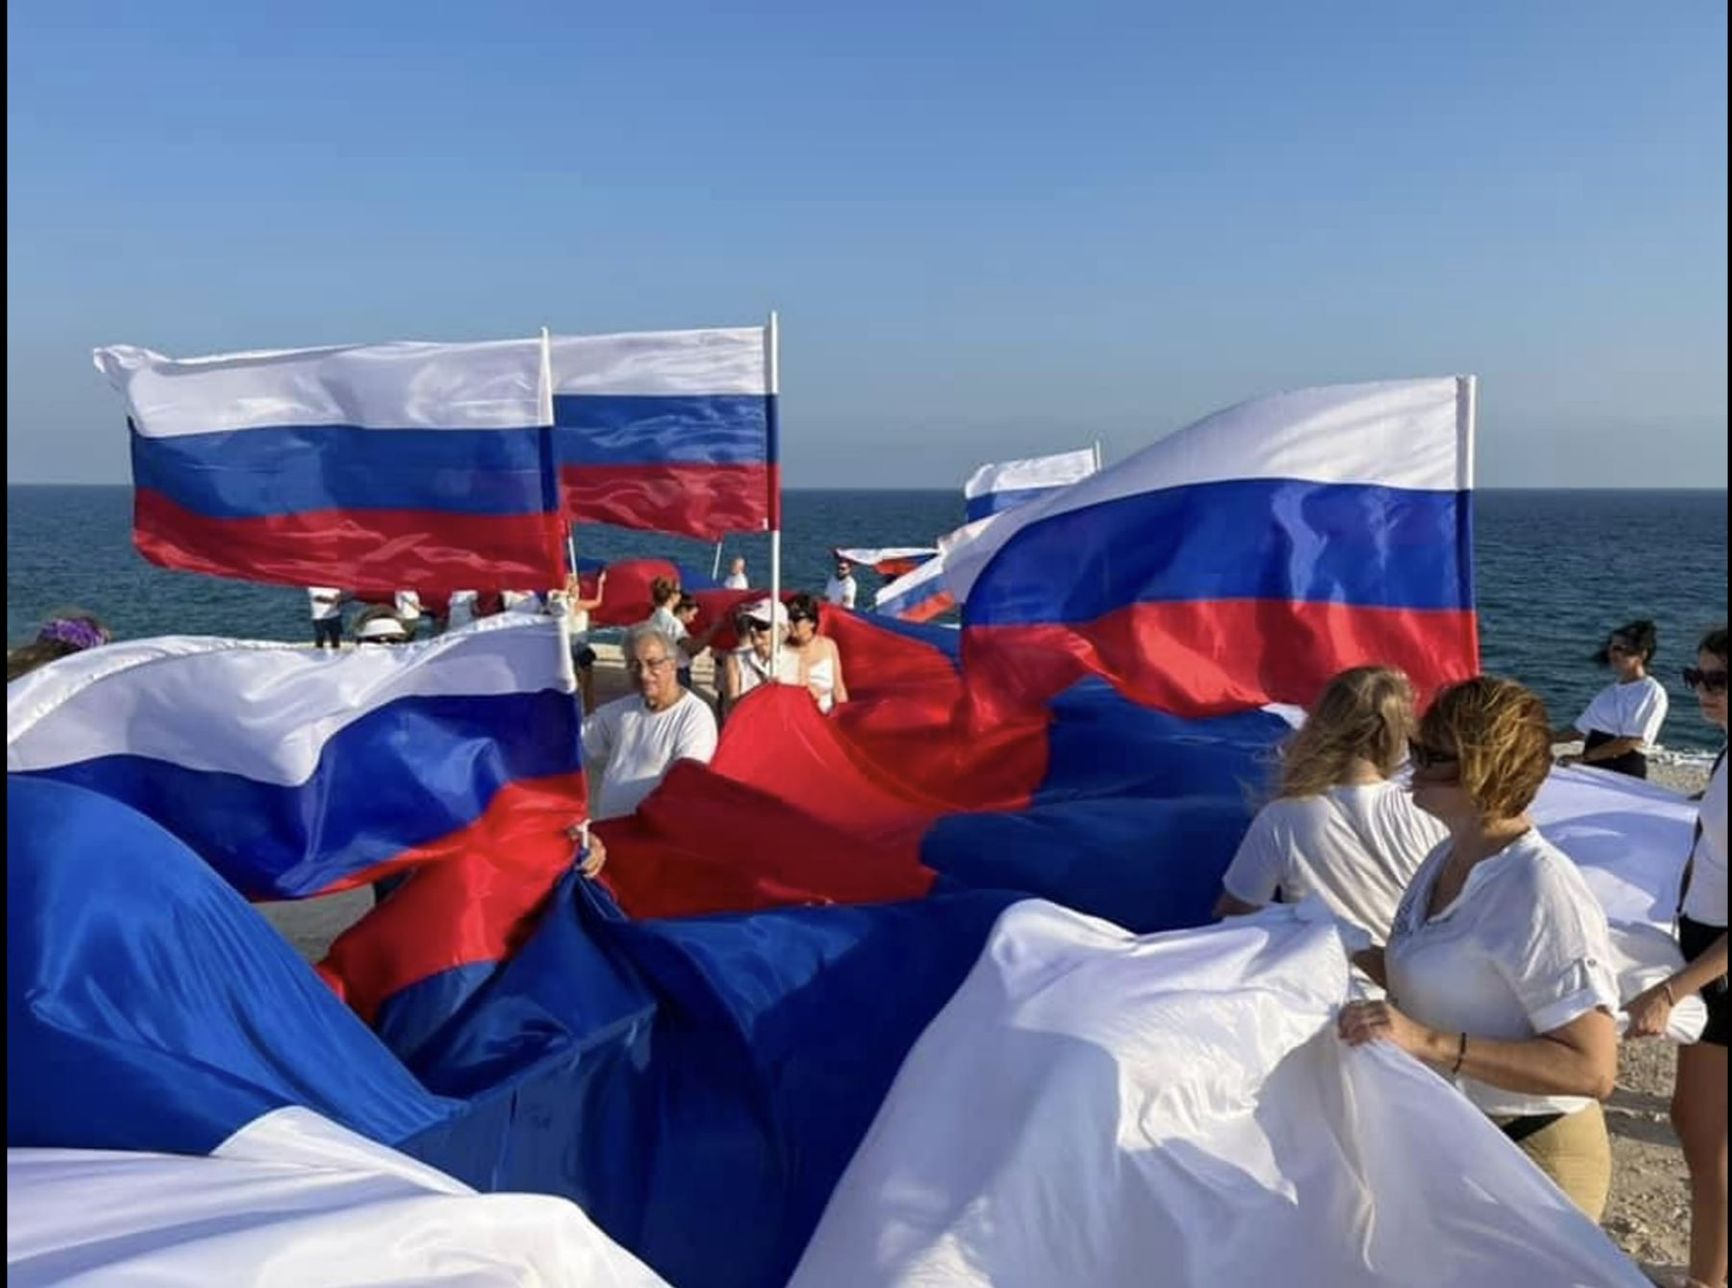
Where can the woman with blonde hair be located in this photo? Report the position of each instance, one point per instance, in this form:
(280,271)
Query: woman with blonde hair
(1338,827)
(1499,963)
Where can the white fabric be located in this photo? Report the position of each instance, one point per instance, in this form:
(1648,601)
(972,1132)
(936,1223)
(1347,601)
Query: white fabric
(1403,433)
(520,601)
(1031,472)
(841,591)
(1705,900)
(460,608)
(408,605)
(325,602)
(1521,951)
(821,681)
(1634,710)
(401,385)
(291,1199)
(735,581)
(720,361)
(1097,1110)
(1355,847)
(638,745)
(250,707)
(872,556)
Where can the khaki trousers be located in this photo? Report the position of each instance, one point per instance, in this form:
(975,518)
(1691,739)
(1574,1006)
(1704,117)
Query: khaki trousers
(1577,1154)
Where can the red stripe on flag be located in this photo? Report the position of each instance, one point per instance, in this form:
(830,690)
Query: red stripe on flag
(371,550)
(703,501)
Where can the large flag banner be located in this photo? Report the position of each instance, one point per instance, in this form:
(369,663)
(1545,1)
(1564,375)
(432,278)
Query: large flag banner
(667,431)
(916,596)
(1243,560)
(370,467)
(887,561)
(992,489)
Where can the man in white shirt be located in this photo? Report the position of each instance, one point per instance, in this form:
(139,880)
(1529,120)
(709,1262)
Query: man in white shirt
(327,606)
(408,606)
(736,578)
(635,739)
(840,589)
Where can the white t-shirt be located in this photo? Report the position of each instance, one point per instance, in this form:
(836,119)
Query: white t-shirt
(735,581)
(460,610)
(408,605)
(326,601)
(638,745)
(520,601)
(840,592)
(1356,847)
(1633,710)
(1705,900)
(1522,951)
(755,670)
(665,621)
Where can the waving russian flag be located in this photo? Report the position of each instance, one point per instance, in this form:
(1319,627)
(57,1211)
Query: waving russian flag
(916,596)
(667,431)
(887,561)
(993,489)
(1243,560)
(370,467)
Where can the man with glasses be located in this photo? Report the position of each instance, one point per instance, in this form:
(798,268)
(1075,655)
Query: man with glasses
(635,739)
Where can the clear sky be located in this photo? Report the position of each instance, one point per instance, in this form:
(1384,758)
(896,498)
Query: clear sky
(990,230)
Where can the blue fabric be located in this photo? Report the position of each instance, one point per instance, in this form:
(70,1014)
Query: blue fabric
(149,1007)
(400,776)
(990,503)
(661,429)
(1281,539)
(294,469)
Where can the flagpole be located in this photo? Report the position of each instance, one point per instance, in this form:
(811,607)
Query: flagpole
(772,388)
(716,567)
(1097,456)
(567,670)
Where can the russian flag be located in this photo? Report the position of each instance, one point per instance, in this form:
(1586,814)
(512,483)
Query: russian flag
(371,467)
(993,489)
(916,596)
(887,561)
(1243,560)
(668,431)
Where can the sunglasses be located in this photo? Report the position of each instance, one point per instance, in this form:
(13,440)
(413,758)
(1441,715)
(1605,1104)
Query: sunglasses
(1707,681)
(800,617)
(1430,757)
(755,627)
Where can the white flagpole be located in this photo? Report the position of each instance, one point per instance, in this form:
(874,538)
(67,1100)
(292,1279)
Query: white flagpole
(716,568)
(568,670)
(1097,456)
(772,387)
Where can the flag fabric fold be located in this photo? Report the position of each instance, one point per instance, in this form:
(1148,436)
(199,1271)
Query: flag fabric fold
(992,489)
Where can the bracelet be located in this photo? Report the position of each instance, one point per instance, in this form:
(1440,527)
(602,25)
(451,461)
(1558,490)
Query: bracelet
(1460,1055)
(1666,988)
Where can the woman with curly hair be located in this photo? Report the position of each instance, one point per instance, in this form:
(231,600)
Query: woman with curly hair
(1499,962)
(63,634)
(1338,827)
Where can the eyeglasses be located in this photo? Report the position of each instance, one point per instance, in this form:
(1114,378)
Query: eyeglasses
(1430,757)
(1707,681)
(635,667)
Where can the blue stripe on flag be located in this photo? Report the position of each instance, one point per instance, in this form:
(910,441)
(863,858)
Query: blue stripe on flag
(1275,539)
(988,503)
(294,469)
(630,429)
(400,776)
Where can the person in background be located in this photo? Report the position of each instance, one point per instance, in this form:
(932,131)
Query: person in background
(820,663)
(520,601)
(1338,827)
(577,609)
(326,603)
(686,614)
(762,624)
(379,625)
(460,609)
(1498,964)
(638,737)
(67,632)
(1622,723)
(408,606)
(841,589)
(666,617)
(1699,1096)
(736,578)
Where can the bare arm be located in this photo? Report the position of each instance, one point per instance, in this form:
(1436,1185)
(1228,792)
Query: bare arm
(1569,733)
(1610,750)
(840,692)
(1229,906)
(1650,1011)
(1578,1059)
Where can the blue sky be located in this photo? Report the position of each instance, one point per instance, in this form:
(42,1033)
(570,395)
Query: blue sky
(989,230)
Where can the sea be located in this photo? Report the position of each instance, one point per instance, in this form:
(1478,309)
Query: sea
(1555,571)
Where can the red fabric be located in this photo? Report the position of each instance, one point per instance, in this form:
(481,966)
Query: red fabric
(703,501)
(475,894)
(627,601)
(1211,657)
(360,550)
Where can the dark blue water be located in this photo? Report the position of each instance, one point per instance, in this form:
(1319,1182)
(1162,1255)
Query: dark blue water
(1556,570)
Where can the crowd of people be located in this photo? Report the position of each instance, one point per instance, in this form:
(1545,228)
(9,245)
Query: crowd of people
(1491,960)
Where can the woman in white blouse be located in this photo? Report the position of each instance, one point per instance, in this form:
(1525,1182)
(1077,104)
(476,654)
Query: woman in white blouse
(1498,964)
(1622,724)
(1699,1097)
(1338,828)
